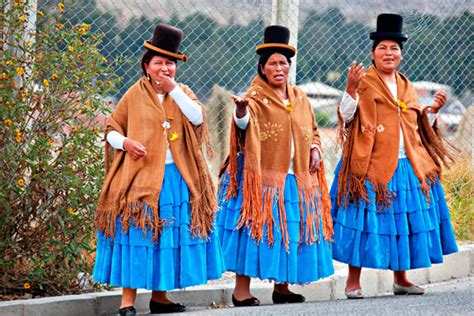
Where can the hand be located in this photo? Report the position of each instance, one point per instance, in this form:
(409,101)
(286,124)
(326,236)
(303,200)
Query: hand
(314,160)
(241,105)
(440,98)
(134,148)
(355,74)
(165,83)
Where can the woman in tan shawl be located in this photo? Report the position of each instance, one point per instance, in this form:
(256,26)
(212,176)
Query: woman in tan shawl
(389,209)
(156,210)
(274,221)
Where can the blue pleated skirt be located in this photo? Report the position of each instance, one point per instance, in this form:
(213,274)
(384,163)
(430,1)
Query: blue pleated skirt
(176,260)
(411,233)
(243,255)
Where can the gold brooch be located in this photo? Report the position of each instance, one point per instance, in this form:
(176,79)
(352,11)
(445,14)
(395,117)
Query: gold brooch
(403,106)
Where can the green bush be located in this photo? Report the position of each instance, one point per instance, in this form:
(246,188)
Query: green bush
(50,150)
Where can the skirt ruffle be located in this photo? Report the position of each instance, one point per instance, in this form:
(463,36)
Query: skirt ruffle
(176,260)
(301,264)
(411,233)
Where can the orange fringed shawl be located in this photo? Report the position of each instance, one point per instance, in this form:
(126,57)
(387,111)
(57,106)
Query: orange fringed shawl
(371,140)
(266,147)
(129,184)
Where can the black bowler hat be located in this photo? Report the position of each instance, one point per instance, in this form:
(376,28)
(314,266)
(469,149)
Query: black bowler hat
(389,26)
(166,40)
(276,38)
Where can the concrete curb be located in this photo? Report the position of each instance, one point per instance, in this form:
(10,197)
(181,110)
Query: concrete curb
(374,282)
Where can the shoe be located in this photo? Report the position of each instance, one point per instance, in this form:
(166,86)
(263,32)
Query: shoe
(355,295)
(127,311)
(253,301)
(161,308)
(279,298)
(407,290)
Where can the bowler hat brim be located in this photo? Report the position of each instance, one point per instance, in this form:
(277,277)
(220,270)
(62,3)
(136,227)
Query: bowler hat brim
(179,56)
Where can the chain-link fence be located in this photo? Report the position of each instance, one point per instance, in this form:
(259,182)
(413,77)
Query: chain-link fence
(220,39)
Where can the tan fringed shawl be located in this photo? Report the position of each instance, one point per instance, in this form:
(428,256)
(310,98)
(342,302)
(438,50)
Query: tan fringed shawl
(371,140)
(266,146)
(129,183)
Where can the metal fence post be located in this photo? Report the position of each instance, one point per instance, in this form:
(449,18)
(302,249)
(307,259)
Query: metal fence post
(286,13)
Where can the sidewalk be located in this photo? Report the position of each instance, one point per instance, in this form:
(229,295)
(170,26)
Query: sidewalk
(218,293)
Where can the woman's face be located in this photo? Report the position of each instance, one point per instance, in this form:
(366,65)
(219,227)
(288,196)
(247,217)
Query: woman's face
(276,70)
(160,65)
(387,56)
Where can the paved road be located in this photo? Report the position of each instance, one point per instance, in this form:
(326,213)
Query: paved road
(455,297)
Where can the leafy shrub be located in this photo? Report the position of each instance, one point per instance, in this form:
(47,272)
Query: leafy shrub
(50,154)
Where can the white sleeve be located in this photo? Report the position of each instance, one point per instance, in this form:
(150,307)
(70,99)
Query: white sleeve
(348,107)
(190,109)
(243,121)
(116,140)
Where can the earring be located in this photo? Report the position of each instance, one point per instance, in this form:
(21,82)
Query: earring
(148,76)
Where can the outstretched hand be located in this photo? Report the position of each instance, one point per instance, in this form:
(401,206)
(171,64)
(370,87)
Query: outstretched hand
(355,74)
(440,99)
(241,105)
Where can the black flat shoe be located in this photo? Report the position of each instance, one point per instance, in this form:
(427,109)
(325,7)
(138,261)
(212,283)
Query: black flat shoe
(253,301)
(127,311)
(279,298)
(161,308)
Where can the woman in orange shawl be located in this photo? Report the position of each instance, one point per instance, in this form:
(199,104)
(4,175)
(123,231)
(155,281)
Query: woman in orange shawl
(275,220)
(156,210)
(389,209)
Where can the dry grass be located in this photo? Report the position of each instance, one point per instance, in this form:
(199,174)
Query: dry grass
(458,184)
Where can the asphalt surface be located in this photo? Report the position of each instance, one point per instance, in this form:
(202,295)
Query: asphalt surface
(455,297)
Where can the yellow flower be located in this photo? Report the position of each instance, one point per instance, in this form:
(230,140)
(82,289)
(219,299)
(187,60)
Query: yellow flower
(39,57)
(20,71)
(21,182)
(59,25)
(18,132)
(46,82)
(82,31)
(22,18)
(86,26)
(74,129)
(70,48)
(50,142)
(15,4)
(72,211)
(8,122)
(40,13)
(28,42)
(54,76)
(18,138)
(26,286)
(104,59)
(4,76)
(61,7)
(9,63)
(173,136)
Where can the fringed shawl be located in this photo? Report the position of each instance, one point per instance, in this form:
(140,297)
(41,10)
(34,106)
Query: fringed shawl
(266,145)
(130,184)
(371,140)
